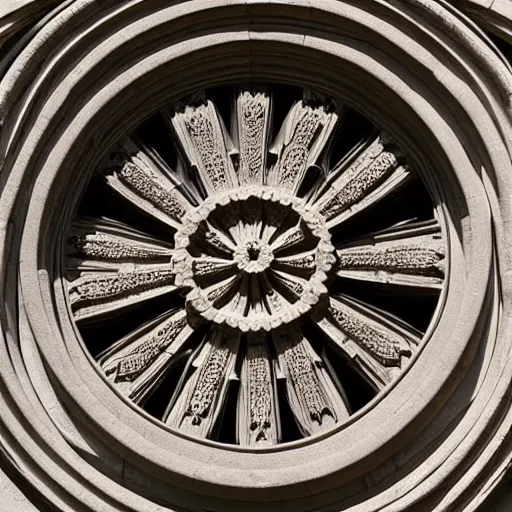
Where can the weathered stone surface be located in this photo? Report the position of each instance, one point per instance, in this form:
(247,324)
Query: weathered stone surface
(290,292)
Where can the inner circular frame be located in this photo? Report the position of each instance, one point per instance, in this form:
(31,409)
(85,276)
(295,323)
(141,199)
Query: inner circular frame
(183,261)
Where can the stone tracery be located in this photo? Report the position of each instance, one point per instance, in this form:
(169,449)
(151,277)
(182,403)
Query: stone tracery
(437,437)
(255,257)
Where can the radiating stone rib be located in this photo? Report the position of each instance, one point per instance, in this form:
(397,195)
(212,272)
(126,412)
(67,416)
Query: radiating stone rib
(294,286)
(279,308)
(206,267)
(302,263)
(206,144)
(290,238)
(411,255)
(358,158)
(313,397)
(300,143)
(303,294)
(236,309)
(375,374)
(376,342)
(208,237)
(97,293)
(207,300)
(136,364)
(202,398)
(146,182)
(374,174)
(203,270)
(257,409)
(106,244)
(252,127)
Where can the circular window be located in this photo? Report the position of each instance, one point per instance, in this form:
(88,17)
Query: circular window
(254,255)
(258,284)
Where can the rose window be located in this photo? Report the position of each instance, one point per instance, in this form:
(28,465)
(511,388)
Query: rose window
(255,273)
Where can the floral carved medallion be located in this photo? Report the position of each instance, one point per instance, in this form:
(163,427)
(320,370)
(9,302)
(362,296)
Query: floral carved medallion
(254,257)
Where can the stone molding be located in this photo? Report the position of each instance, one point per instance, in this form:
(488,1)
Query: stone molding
(438,439)
(493,16)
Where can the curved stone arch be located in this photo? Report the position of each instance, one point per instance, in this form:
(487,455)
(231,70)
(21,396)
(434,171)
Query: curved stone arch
(492,16)
(464,128)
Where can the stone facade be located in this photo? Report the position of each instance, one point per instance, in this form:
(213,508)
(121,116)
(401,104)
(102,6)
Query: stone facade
(254,255)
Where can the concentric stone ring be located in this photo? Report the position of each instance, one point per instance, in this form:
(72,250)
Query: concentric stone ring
(117,124)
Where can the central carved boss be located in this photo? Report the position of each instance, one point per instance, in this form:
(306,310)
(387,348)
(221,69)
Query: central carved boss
(249,263)
(260,216)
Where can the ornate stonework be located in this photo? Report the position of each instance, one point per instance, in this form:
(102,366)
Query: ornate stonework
(265,238)
(255,255)
(252,252)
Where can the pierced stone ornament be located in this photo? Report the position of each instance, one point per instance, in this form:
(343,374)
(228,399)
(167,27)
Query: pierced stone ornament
(276,255)
(252,244)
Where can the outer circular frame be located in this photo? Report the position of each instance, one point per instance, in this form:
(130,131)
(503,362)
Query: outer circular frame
(413,67)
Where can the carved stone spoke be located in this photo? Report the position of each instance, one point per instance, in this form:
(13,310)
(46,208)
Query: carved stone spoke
(202,398)
(207,301)
(354,186)
(208,268)
(315,401)
(258,414)
(107,244)
(136,363)
(412,255)
(263,331)
(239,306)
(206,144)
(300,143)
(204,267)
(252,128)
(96,293)
(290,284)
(378,343)
(291,237)
(214,240)
(302,263)
(137,174)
